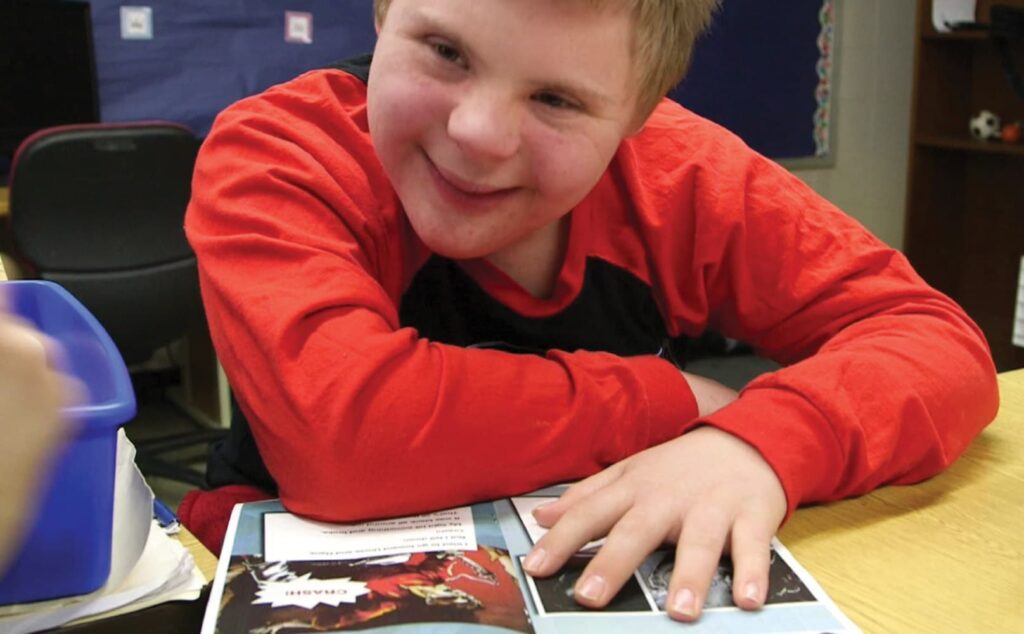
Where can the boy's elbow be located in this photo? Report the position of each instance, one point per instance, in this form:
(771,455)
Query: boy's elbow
(343,489)
(984,393)
(973,405)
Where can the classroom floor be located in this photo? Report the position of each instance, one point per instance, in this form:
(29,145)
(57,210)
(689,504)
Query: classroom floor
(159,417)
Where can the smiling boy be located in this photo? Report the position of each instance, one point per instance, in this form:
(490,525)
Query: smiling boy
(455,275)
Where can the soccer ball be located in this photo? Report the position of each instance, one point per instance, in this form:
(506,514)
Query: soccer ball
(985,125)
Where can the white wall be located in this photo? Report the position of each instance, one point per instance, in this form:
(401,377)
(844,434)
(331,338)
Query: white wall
(876,51)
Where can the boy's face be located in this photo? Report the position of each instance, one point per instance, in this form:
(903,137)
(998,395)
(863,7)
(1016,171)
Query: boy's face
(493,118)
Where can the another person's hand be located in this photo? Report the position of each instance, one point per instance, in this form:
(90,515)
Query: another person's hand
(31,395)
(706,491)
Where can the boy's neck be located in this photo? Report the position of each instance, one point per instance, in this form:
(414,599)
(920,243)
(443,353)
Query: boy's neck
(534,262)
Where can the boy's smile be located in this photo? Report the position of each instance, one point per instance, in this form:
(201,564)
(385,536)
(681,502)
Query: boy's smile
(494,118)
(467,195)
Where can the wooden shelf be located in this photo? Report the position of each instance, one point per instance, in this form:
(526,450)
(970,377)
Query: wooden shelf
(964,226)
(965,144)
(956,36)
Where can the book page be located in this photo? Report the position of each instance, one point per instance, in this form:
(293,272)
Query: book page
(291,538)
(483,589)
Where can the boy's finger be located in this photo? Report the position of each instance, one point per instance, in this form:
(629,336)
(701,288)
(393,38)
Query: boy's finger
(548,514)
(589,519)
(697,555)
(751,558)
(635,536)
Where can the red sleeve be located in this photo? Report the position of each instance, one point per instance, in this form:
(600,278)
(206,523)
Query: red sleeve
(302,259)
(887,380)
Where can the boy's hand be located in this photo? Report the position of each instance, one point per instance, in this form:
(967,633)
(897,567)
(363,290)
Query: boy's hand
(707,491)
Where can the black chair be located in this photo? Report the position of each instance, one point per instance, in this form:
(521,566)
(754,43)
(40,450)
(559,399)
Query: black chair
(99,209)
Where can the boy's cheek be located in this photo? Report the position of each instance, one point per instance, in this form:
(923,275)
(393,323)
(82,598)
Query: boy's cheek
(404,109)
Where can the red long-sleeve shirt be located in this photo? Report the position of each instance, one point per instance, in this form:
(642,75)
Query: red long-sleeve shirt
(305,256)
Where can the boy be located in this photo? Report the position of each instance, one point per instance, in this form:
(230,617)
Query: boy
(458,280)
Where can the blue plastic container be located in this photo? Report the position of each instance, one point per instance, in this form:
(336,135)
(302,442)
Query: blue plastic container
(67,551)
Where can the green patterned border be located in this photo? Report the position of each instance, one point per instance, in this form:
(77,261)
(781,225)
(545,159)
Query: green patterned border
(824,67)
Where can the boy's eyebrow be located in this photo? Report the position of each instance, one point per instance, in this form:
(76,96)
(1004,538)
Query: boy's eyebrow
(432,23)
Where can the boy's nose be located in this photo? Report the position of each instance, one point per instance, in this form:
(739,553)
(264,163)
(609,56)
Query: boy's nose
(485,126)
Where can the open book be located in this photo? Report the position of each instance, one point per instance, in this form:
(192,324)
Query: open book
(460,570)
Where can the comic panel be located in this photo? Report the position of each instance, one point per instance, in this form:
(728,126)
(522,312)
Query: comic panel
(784,586)
(314,596)
(556,594)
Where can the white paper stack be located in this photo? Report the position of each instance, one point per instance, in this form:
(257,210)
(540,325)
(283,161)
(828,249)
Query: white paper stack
(147,567)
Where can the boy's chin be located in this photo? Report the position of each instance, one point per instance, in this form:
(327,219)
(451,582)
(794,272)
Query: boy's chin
(451,245)
(461,251)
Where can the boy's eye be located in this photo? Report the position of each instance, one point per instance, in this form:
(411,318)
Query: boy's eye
(556,101)
(446,51)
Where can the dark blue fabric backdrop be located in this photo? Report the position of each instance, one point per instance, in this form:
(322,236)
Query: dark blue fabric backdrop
(754,72)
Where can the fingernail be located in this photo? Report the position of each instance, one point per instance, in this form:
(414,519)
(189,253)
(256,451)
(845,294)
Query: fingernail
(751,593)
(684,603)
(541,506)
(592,588)
(534,560)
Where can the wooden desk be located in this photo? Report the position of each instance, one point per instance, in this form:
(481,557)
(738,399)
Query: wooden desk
(205,560)
(946,555)
(5,210)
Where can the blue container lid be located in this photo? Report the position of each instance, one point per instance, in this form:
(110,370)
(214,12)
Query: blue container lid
(90,354)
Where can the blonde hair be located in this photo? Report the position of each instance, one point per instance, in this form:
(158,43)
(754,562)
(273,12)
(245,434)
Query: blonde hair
(665,32)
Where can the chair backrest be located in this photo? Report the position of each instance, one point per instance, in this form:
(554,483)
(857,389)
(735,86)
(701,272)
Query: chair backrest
(99,209)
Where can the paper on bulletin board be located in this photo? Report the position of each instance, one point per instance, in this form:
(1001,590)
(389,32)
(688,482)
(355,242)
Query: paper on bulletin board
(949,12)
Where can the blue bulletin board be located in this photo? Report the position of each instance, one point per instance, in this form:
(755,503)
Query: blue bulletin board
(202,55)
(763,70)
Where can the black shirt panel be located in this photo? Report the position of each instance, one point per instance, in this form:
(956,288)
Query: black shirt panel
(358,66)
(613,312)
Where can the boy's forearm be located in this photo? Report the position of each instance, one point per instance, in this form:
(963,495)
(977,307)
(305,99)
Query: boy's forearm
(356,420)
(453,426)
(887,381)
(895,399)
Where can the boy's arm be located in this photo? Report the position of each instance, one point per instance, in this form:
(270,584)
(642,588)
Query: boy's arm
(887,380)
(355,416)
(888,383)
